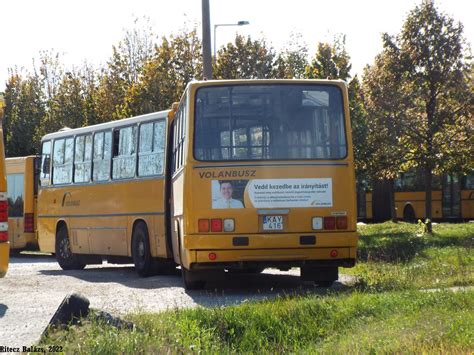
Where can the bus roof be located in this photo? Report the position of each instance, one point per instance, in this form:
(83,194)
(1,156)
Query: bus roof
(107,125)
(337,82)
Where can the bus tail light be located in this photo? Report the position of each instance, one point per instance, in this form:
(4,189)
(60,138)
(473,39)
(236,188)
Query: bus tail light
(329,223)
(229,225)
(333,253)
(4,236)
(29,223)
(216,225)
(203,225)
(341,222)
(4,211)
(317,223)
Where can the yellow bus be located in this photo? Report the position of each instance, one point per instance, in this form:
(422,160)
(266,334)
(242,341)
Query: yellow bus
(22,186)
(4,243)
(241,175)
(452,198)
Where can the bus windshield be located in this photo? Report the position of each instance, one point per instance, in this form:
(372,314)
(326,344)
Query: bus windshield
(269,122)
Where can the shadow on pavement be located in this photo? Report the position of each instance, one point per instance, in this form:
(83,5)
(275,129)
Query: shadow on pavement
(124,275)
(3,309)
(233,289)
(30,257)
(241,288)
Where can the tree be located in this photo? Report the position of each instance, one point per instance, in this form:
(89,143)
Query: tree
(425,75)
(66,107)
(292,61)
(174,63)
(245,59)
(24,110)
(118,81)
(360,129)
(384,102)
(331,61)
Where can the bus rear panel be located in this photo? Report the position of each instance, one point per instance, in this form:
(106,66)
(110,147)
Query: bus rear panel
(266,179)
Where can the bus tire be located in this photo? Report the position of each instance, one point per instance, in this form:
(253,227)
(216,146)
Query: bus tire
(66,259)
(145,264)
(322,276)
(409,214)
(325,283)
(191,279)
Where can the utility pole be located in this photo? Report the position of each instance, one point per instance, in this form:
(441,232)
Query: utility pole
(206,40)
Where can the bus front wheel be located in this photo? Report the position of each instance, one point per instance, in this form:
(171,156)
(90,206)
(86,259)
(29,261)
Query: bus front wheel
(67,260)
(145,264)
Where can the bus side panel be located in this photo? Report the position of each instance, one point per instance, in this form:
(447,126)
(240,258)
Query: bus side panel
(467,204)
(30,201)
(156,230)
(103,214)
(14,167)
(47,234)
(417,201)
(177,210)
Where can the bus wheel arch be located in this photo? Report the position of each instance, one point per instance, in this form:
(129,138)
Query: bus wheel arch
(145,264)
(66,259)
(409,213)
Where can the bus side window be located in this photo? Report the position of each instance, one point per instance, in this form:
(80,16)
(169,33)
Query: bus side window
(82,159)
(123,162)
(179,135)
(45,163)
(152,148)
(101,155)
(63,152)
(15,188)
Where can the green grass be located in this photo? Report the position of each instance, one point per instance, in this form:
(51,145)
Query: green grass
(388,309)
(395,256)
(410,321)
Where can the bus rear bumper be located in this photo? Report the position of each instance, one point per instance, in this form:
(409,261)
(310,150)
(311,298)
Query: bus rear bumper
(279,258)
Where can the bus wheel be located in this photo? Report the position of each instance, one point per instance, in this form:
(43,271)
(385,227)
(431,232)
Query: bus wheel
(65,257)
(322,276)
(325,283)
(191,279)
(145,265)
(409,214)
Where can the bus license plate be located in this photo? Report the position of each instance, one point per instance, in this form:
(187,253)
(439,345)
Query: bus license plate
(273,223)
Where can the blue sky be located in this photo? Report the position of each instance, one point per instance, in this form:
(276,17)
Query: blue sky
(86,30)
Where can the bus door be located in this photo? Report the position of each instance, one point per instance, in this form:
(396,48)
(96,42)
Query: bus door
(451,200)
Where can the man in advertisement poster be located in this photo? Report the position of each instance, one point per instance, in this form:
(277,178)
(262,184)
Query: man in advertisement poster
(225,200)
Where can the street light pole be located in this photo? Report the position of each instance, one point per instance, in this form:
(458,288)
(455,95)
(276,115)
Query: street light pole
(240,23)
(206,40)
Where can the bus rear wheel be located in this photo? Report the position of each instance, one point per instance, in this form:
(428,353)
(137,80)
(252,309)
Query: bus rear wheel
(145,264)
(192,280)
(66,259)
(322,276)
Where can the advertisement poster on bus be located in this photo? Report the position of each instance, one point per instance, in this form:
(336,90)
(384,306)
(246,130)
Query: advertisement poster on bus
(272,193)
